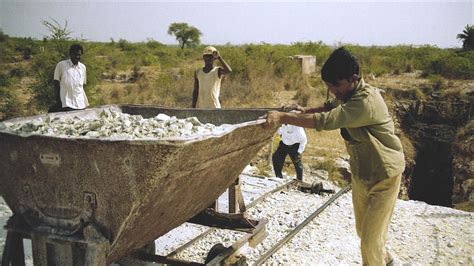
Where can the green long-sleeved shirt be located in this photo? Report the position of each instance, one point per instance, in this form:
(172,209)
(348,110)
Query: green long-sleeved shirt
(375,151)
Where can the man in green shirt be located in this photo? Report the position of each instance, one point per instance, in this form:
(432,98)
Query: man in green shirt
(376,154)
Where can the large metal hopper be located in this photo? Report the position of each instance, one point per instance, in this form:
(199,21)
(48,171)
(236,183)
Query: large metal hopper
(130,191)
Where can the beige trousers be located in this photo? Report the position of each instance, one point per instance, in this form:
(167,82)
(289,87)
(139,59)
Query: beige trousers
(373,208)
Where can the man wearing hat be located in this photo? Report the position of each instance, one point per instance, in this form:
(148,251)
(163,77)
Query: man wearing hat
(207,80)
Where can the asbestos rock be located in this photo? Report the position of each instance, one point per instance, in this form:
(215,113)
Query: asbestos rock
(116,125)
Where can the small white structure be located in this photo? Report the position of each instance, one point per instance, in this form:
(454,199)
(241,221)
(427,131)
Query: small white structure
(307,63)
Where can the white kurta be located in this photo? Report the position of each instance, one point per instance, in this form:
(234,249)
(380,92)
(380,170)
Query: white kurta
(71,81)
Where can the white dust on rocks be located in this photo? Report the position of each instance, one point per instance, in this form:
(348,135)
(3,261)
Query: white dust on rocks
(111,124)
(419,233)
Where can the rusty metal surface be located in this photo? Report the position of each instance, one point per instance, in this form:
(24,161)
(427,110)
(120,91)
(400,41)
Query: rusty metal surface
(132,191)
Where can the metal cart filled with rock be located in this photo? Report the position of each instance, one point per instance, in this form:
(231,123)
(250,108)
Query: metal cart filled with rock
(91,187)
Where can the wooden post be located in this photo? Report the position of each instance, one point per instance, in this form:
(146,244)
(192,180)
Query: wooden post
(40,255)
(13,251)
(95,254)
(236,198)
(240,198)
(232,198)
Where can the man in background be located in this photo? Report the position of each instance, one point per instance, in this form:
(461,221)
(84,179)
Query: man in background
(207,80)
(69,80)
(293,142)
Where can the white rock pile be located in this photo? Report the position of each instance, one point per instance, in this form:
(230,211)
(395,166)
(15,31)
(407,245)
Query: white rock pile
(111,124)
(419,234)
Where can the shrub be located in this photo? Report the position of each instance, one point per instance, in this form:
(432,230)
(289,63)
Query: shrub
(124,45)
(18,72)
(152,44)
(136,73)
(42,90)
(452,65)
(287,67)
(115,95)
(3,36)
(259,70)
(4,80)
(10,104)
(303,96)
(437,82)
(409,68)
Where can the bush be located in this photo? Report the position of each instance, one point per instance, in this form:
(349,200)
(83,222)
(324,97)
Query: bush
(124,45)
(18,72)
(259,70)
(26,47)
(438,83)
(42,90)
(136,73)
(303,96)
(10,104)
(3,36)
(287,67)
(152,44)
(4,80)
(409,68)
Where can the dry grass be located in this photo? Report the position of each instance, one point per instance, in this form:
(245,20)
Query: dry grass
(325,143)
(322,148)
(467,206)
(408,148)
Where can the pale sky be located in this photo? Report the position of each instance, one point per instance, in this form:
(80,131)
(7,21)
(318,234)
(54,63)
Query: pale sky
(239,22)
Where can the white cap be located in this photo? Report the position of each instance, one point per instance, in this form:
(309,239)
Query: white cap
(209,50)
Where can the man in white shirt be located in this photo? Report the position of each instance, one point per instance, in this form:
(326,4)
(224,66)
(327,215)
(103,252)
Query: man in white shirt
(69,80)
(293,142)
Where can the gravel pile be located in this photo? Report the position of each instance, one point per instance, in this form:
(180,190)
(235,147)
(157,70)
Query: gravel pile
(419,234)
(427,234)
(284,211)
(110,124)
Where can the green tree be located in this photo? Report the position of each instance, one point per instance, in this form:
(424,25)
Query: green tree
(56,50)
(467,37)
(185,34)
(57,32)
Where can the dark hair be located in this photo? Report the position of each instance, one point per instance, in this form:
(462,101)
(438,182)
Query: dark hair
(75,47)
(340,65)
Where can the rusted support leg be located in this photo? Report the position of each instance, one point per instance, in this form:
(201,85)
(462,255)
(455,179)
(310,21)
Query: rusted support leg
(95,254)
(232,198)
(61,251)
(40,254)
(236,198)
(50,251)
(13,251)
(240,197)
(97,246)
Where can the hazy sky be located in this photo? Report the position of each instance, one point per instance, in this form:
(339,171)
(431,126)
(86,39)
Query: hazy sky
(238,22)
